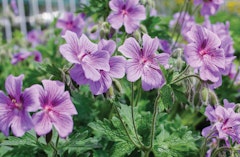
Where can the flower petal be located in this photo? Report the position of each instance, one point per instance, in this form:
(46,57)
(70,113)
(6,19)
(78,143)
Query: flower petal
(209,72)
(77,74)
(13,86)
(30,98)
(134,70)
(138,12)
(130,48)
(86,45)
(117,67)
(116,20)
(130,24)
(192,56)
(150,45)
(131,3)
(107,45)
(116,5)
(21,123)
(101,86)
(163,58)
(42,123)
(62,123)
(152,77)
(90,72)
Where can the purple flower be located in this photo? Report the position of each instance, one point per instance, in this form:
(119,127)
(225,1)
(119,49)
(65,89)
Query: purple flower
(128,13)
(117,70)
(21,56)
(222,31)
(209,7)
(71,23)
(165,46)
(225,122)
(56,109)
(144,62)
(204,53)
(34,37)
(184,21)
(37,56)
(15,107)
(82,51)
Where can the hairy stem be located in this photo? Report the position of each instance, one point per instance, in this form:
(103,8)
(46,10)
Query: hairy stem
(185,77)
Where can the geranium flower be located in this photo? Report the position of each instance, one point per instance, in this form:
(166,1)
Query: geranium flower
(82,51)
(56,109)
(15,107)
(21,56)
(71,23)
(144,62)
(209,7)
(126,12)
(35,37)
(117,70)
(204,53)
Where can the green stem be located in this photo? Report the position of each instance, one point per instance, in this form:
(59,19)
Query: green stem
(215,153)
(187,67)
(125,128)
(187,76)
(132,113)
(155,113)
(54,149)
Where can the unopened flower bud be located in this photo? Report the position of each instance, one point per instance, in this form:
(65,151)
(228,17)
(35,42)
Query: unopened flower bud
(209,96)
(110,93)
(94,29)
(143,29)
(137,35)
(117,85)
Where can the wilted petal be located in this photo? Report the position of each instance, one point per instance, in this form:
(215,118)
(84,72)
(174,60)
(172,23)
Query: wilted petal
(134,70)
(117,67)
(62,123)
(130,48)
(13,86)
(42,123)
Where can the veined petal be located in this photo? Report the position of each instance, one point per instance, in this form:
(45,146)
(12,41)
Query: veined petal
(77,74)
(130,48)
(130,24)
(150,45)
(90,72)
(4,100)
(107,45)
(69,53)
(21,123)
(63,123)
(30,98)
(117,67)
(13,86)
(138,12)
(116,5)
(101,86)
(6,118)
(42,123)
(98,60)
(197,34)
(192,56)
(163,58)
(131,3)
(116,20)
(217,58)
(64,105)
(209,72)
(134,70)
(152,77)
(86,45)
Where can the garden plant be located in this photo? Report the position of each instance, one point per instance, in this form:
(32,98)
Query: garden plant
(117,78)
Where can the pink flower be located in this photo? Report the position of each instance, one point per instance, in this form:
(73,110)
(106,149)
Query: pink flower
(128,13)
(15,107)
(144,62)
(56,109)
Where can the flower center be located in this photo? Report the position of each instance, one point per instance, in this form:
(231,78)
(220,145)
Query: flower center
(69,25)
(48,108)
(203,52)
(143,60)
(17,105)
(124,12)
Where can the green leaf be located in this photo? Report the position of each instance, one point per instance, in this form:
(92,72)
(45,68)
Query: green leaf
(166,96)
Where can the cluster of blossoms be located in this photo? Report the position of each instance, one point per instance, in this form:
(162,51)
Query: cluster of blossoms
(21,56)
(95,66)
(209,7)
(225,123)
(51,104)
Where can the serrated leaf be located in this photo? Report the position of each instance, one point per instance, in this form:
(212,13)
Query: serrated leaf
(120,149)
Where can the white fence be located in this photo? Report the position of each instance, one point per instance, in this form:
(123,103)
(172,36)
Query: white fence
(32,12)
